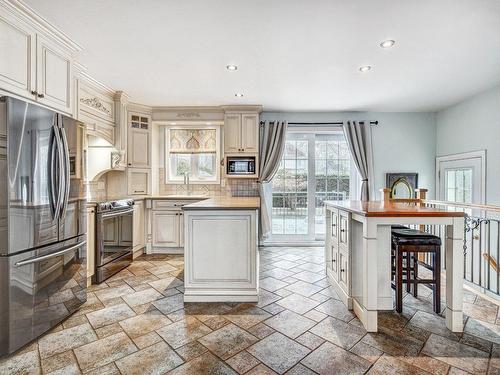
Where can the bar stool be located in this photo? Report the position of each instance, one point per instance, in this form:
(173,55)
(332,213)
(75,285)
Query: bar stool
(406,244)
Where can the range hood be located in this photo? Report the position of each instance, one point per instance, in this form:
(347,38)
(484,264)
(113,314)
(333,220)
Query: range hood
(102,157)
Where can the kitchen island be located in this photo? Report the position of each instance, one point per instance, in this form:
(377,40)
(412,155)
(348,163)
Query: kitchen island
(358,255)
(220,250)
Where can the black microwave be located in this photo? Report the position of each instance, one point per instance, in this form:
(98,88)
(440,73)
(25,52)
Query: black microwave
(240,165)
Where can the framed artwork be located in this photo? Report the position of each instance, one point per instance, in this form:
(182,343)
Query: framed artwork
(402,185)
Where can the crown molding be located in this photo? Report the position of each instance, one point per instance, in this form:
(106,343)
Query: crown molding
(241,108)
(136,107)
(29,15)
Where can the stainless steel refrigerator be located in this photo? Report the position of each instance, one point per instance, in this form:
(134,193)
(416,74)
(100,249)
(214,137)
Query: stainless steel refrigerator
(42,224)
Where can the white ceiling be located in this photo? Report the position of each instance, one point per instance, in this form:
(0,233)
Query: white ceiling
(292,55)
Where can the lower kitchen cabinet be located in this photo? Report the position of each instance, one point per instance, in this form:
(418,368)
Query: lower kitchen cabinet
(166,226)
(139,181)
(139,233)
(90,244)
(337,257)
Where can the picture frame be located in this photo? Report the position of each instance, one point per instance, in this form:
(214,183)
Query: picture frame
(402,185)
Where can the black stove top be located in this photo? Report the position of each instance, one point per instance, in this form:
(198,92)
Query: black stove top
(116,205)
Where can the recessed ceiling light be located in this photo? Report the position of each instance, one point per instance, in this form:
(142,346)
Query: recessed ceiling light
(365,68)
(387,43)
(231,67)
(239,95)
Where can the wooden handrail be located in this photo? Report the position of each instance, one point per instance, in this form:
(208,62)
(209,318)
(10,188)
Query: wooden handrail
(482,207)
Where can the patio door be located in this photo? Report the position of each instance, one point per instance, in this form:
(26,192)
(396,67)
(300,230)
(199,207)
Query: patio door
(315,167)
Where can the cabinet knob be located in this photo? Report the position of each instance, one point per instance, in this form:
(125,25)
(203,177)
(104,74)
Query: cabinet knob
(129,164)
(33,92)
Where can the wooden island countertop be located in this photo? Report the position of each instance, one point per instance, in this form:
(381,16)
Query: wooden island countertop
(388,209)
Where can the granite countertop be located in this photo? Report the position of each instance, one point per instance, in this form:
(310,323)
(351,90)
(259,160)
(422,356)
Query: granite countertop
(388,209)
(225,203)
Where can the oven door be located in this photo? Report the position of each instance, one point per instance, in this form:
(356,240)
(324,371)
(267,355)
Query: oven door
(114,235)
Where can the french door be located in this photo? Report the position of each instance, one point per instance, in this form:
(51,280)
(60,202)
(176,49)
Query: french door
(461,177)
(315,167)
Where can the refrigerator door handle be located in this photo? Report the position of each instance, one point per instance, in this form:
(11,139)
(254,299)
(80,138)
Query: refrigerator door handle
(52,255)
(67,180)
(52,176)
(60,155)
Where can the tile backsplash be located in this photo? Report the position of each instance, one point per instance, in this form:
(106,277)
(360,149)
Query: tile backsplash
(235,187)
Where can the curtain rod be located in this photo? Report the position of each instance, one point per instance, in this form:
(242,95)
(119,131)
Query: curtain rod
(324,123)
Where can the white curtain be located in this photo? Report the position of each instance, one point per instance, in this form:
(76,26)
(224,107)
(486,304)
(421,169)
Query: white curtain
(272,144)
(359,140)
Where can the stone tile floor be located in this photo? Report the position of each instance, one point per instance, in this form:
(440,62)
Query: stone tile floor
(137,323)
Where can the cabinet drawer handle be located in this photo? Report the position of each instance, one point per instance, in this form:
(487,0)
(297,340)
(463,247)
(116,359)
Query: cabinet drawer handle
(33,92)
(40,95)
(342,270)
(334,261)
(342,230)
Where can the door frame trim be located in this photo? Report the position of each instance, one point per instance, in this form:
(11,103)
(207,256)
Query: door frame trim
(479,154)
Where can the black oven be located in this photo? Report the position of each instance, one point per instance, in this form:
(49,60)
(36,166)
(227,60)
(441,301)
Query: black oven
(114,241)
(240,165)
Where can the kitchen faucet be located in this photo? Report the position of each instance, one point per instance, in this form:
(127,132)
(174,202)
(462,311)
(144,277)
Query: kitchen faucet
(186,182)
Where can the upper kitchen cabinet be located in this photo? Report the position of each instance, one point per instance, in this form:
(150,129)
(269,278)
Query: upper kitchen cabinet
(54,75)
(241,130)
(139,140)
(250,133)
(18,66)
(39,62)
(96,107)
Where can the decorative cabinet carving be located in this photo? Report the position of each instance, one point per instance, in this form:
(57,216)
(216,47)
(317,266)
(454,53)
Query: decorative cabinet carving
(241,133)
(96,108)
(35,66)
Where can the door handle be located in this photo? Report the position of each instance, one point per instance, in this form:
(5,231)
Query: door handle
(66,172)
(60,164)
(48,256)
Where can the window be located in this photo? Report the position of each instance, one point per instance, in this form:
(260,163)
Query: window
(192,150)
(315,167)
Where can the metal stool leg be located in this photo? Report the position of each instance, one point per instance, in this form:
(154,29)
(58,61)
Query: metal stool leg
(399,280)
(415,276)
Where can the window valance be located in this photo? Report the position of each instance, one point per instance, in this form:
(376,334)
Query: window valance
(193,141)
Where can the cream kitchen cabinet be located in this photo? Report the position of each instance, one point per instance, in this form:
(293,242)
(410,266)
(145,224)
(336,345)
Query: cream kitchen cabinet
(35,67)
(241,133)
(337,251)
(139,140)
(166,225)
(138,181)
(166,228)
(139,234)
(18,66)
(90,244)
(54,75)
